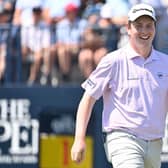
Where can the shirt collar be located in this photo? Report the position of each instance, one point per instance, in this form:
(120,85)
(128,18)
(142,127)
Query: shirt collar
(131,53)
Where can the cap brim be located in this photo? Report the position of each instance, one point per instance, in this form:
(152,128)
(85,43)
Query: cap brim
(136,16)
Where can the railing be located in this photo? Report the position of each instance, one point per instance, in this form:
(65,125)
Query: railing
(16,71)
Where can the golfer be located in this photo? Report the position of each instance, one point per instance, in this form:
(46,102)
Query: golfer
(133,81)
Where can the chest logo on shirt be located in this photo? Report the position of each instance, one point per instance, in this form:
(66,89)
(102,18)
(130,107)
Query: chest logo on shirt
(161,75)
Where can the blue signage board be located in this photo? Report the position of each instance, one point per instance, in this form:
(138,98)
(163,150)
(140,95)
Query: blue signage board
(27,112)
(19,134)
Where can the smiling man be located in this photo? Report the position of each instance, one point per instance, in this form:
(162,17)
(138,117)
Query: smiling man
(133,82)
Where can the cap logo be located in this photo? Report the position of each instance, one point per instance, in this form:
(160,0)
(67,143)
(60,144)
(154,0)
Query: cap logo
(136,10)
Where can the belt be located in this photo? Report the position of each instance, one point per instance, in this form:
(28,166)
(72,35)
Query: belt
(153,140)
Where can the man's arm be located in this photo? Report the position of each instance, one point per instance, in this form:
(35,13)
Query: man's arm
(83,115)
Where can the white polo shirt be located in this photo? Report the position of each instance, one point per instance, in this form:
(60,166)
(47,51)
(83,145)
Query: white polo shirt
(134,90)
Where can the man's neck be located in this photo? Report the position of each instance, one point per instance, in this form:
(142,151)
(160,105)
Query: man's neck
(143,51)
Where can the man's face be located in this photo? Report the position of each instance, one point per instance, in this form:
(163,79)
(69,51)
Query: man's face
(142,31)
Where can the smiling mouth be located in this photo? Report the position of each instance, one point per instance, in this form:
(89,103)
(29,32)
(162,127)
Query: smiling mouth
(145,38)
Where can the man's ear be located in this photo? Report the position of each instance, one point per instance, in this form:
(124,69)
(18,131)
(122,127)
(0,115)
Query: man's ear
(128,27)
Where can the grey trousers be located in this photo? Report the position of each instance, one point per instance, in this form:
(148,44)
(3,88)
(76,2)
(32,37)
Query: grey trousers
(124,150)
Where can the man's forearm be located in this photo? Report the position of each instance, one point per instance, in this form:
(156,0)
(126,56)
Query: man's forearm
(83,115)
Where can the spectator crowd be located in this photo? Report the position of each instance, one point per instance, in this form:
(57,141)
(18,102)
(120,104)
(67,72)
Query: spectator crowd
(62,41)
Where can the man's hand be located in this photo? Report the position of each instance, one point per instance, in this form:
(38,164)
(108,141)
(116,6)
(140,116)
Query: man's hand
(78,151)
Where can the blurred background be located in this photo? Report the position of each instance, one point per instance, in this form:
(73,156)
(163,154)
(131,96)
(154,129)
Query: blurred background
(47,49)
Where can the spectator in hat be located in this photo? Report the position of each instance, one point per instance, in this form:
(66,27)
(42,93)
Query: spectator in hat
(23,18)
(35,37)
(68,33)
(98,39)
(54,12)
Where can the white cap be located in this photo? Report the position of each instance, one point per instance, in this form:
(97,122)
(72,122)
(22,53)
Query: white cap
(106,11)
(140,10)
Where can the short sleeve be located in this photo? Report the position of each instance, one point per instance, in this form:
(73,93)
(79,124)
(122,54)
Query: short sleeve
(100,78)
